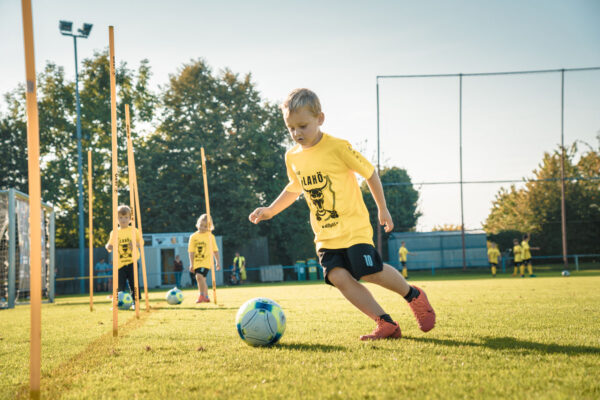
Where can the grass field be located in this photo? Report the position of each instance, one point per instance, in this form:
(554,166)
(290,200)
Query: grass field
(495,338)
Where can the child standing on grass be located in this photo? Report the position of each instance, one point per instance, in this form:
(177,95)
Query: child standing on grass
(402,253)
(493,254)
(527,256)
(518,256)
(323,168)
(198,249)
(128,256)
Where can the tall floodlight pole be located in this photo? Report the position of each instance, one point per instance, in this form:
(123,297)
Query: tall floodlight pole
(66,28)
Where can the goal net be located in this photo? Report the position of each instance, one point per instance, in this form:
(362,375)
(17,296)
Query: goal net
(14,249)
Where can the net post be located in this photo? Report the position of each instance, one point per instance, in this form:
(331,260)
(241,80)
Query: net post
(52,264)
(12,245)
(91,230)
(134,243)
(210,225)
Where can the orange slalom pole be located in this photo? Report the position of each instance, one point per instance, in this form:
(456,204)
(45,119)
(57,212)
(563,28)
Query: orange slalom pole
(35,205)
(210,225)
(139,222)
(132,205)
(115,176)
(91,229)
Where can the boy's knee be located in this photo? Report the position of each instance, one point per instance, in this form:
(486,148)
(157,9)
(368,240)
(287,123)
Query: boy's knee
(339,277)
(375,277)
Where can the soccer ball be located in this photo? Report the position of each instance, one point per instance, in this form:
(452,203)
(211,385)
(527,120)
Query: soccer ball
(565,273)
(124,301)
(260,322)
(174,296)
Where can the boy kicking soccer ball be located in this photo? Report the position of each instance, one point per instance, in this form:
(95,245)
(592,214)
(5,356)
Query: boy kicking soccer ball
(323,168)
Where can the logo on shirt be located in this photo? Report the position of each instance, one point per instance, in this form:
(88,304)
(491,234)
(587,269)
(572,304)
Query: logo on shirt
(201,251)
(125,249)
(321,194)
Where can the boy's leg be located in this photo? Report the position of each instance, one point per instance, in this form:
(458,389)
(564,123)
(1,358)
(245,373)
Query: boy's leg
(355,292)
(361,298)
(391,279)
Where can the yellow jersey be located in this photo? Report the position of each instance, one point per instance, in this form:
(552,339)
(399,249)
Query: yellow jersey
(198,244)
(493,255)
(526,250)
(125,248)
(325,173)
(403,252)
(518,253)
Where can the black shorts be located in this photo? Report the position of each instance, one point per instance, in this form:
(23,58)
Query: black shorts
(527,261)
(403,263)
(493,264)
(517,263)
(360,260)
(202,271)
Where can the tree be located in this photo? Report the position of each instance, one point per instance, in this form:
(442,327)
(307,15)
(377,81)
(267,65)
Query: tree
(58,144)
(244,139)
(536,208)
(401,198)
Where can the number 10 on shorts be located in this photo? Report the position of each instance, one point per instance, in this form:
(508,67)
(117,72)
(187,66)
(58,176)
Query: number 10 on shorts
(368,260)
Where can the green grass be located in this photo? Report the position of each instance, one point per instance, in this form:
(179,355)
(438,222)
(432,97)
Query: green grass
(495,338)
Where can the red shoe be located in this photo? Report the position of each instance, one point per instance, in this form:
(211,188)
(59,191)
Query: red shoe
(423,311)
(206,299)
(384,330)
(200,299)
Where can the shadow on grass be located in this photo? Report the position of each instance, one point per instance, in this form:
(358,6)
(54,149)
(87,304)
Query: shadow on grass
(510,343)
(324,348)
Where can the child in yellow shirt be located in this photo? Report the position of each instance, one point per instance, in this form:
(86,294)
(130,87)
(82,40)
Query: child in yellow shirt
(323,167)
(198,249)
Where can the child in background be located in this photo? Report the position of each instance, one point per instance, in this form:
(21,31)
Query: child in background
(128,256)
(518,256)
(493,255)
(198,249)
(527,256)
(402,253)
(323,168)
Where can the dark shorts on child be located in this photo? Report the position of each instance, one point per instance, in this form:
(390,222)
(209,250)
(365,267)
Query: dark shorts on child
(202,271)
(493,264)
(360,260)
(527,261)
(403,263)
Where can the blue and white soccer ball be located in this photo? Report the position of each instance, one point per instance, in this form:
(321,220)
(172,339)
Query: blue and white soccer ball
(565,273)
(124,301)
(260,322)
(174,296)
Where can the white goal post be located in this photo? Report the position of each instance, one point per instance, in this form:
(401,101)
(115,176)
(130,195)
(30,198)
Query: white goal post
(14,249)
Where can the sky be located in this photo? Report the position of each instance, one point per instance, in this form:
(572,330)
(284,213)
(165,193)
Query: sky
(339,48)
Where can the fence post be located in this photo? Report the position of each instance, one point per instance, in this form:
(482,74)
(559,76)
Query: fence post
(432,269)
(577,263)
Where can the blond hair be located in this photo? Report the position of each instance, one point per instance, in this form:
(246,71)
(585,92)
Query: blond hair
(299,98)
(203,225)
(123,210)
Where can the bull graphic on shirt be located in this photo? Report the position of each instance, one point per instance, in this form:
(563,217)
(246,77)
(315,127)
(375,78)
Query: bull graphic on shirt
(125,250)
(201,251)
(319,191)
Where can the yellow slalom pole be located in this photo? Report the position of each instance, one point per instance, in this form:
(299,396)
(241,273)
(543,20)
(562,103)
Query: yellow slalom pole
(139,222)
(210,225)
(35,206)
(133,209)
(91,229)
(115,175)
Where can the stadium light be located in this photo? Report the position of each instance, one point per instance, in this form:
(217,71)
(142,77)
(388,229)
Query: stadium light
(66,29)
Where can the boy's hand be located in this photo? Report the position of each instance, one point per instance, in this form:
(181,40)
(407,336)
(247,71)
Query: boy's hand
(385,219)
(260,214)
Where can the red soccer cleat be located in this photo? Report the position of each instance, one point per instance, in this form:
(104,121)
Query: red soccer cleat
(423,311)
(205,299)
(200,299)
(384,330)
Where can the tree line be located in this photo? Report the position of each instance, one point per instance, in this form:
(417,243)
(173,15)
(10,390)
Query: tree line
(243,135)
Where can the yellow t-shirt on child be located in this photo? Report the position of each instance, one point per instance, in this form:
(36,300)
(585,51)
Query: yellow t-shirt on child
(125,249)
(518,253)
(325,173)
(199,243)
(403,253)
(525,250)
(493,255)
